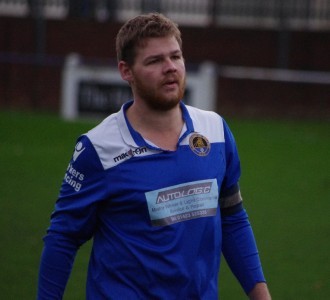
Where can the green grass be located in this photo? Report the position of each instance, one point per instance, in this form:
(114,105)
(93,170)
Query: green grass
(285,185)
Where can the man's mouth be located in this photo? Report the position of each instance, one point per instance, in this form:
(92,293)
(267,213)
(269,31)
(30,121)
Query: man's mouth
(171,83)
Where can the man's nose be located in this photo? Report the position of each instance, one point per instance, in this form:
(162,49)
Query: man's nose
(169,65)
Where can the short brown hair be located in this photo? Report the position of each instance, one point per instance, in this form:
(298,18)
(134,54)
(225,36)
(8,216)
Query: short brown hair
(134,32)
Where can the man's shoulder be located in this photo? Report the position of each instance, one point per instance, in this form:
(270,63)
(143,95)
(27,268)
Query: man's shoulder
(196,112)
(203,119)
(111,140)
(107,128)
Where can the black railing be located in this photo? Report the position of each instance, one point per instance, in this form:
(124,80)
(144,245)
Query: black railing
(255,13)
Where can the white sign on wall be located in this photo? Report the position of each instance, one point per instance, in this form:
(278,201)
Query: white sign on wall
(99,91)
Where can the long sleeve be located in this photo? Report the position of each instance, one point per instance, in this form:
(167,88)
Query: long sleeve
(240,250)
(73,221)
(55,267)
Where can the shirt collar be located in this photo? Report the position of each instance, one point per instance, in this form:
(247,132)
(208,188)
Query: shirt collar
(133,138)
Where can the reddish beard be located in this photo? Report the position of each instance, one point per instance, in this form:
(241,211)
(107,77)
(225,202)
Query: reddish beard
(155,99)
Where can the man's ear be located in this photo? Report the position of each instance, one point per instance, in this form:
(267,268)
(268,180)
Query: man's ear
(125,71)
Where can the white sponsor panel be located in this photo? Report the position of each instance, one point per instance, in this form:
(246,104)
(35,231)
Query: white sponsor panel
(183,202)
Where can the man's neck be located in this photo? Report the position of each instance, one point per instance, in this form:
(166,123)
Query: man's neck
(163,128)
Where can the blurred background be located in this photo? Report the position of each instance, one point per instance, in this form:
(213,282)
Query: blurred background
(262,46)
(265,64)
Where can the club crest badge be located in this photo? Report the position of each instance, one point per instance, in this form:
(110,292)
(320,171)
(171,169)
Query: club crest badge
(199,144)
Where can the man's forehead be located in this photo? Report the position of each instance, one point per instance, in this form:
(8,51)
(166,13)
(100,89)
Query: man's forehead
(158,46)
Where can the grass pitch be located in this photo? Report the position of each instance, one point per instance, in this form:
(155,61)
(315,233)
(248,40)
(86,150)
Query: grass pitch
(285,185)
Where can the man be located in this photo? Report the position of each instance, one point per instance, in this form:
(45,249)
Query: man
(156,186)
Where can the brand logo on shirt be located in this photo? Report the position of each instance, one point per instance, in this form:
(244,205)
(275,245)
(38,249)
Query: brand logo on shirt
(199,144)
(78,150)
(130,153)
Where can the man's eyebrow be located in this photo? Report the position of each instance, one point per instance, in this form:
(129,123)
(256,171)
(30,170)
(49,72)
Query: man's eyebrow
(176,52)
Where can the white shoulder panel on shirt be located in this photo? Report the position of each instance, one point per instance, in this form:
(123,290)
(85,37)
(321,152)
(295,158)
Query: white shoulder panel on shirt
(114,144)
(207,123)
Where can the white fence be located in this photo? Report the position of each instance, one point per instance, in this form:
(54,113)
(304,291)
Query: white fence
(314,14)
(53,9)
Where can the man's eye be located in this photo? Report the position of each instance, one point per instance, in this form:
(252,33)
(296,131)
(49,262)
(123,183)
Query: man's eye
(153,61)
(176,57)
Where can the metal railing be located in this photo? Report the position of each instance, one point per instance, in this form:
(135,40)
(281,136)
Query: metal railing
(313,14)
